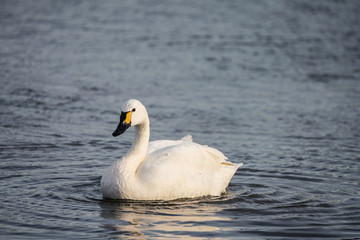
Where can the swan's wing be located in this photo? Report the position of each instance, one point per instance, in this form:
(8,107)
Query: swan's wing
(184,157)
(177,156)
(177,164)
(184,168)
(185,151)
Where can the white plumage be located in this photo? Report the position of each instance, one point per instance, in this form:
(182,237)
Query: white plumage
(163,169)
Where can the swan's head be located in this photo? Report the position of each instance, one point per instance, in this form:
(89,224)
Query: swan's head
(133,113)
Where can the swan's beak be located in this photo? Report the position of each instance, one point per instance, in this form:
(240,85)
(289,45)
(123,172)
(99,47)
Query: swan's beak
(125,123)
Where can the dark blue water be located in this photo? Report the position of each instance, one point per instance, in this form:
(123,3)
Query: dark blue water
(272,84)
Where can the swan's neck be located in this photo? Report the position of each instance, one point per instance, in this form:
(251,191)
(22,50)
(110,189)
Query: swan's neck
(137,153)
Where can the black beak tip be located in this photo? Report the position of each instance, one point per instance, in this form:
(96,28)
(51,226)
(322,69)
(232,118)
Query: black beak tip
(120,129)
(117,132)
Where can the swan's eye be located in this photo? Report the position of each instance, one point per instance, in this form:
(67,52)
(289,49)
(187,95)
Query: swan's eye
(133,109)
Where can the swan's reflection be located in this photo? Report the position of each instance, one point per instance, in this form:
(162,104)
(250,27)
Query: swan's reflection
(163,219)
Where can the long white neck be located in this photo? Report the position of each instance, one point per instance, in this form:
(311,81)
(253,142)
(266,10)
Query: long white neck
(137,153)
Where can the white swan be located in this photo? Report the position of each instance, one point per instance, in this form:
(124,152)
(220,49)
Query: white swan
(164,169)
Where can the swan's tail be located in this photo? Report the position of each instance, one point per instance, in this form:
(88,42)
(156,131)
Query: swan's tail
(229,169)
(226,163)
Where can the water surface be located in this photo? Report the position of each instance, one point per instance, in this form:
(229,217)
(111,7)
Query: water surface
(272,84)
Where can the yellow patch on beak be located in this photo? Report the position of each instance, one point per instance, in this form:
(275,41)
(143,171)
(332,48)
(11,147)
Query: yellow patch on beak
(128,117)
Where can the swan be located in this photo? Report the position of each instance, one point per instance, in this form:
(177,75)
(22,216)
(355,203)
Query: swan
(163,169)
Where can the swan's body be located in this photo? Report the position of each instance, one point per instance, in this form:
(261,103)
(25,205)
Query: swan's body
(163,169)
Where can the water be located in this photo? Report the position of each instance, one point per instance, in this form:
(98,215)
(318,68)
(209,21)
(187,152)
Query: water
(273,84)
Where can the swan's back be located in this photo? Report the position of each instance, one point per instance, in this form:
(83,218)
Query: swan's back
(183,168)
